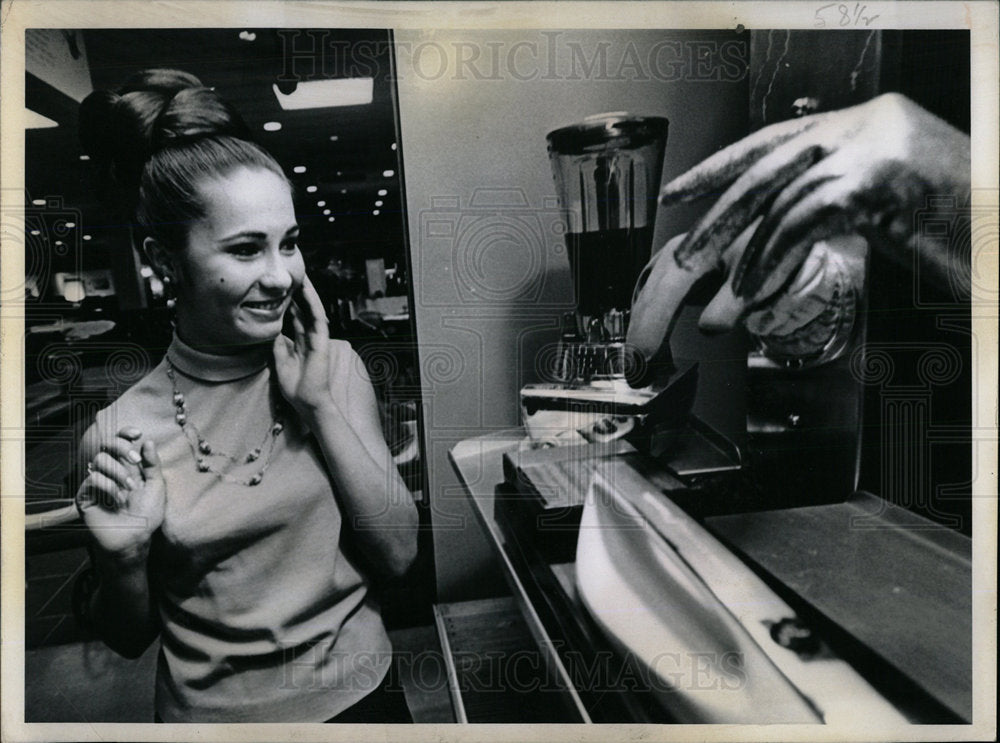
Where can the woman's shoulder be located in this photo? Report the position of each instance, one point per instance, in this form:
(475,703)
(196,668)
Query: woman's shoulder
(138,403)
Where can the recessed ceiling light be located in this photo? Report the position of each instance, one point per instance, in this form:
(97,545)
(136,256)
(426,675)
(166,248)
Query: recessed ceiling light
(343,190)
(35,233)
(39,202)
(69,225)
(344,91)
(320,203)
(326,212)
(393,147)
(299,169)
(86,237)
(340,172)
(388,173)
(59,243)
(382,192)
(84,157)
(146,271)
(334,137)
(248,36)
(376,212)
(311,189)
(378,203)
(272,126)
(330,219)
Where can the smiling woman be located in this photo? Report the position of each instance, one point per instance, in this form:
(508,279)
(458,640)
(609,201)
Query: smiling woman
(240,498)
(235,277)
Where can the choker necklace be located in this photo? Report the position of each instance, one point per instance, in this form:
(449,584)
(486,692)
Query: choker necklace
(204,453)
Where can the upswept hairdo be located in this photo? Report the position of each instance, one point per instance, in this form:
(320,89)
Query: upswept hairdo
(155,139)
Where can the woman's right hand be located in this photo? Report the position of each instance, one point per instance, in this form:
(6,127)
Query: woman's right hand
(123,498)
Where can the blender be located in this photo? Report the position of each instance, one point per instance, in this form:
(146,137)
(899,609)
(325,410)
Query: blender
(607,174)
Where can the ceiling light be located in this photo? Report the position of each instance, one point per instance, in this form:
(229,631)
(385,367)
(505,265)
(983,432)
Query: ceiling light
(311,189)
(334,137)
(388,173)
(299,169)
(69,225)
(34,120)
(340,172)
(326,212)
(35,233)
(378,203)
(84,157)
(330,219)
(382,192)
(39,202)
(393,147)
(320,203)
(59,243)
(343,190)
(146,271)
(248,36)
(86,237)
(346,91)
(375,212)
(272,126)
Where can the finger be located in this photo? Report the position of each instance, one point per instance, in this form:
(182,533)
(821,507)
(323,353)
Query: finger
(123,450)
(280,348)
(744,200)
(301,341)
(783,241)
(150,461)
(657,303)
(316,311)
(723,312)
(104,492)
(109,467)
(715,173)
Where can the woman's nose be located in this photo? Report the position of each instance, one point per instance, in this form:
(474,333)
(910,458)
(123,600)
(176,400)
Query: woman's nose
(279,274)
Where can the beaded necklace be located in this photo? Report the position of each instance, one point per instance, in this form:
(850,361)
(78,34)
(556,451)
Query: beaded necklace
(204,453)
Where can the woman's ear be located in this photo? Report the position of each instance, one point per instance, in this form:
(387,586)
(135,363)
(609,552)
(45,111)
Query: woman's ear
(159,258)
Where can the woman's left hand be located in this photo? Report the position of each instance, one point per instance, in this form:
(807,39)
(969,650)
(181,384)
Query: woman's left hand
(302,366)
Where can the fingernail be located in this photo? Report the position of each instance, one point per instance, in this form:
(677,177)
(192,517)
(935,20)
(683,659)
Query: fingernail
(130,483)
(134,456)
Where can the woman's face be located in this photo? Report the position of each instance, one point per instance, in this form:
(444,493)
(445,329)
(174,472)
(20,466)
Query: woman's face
(236,276)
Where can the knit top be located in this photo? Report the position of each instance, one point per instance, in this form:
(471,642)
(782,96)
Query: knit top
(265,614)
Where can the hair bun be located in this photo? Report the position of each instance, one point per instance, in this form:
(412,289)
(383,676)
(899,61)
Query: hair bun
(193,113)
(153,109)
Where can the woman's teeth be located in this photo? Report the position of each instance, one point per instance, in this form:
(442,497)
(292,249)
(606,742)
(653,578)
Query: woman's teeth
(272,305)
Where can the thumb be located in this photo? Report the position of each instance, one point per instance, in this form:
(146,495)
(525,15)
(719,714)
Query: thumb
(150,460)
(281,352)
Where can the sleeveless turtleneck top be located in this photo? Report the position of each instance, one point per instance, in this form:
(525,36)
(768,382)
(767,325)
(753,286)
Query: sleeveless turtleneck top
(264,615)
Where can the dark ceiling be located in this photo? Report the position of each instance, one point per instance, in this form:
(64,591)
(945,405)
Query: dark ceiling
(347,151)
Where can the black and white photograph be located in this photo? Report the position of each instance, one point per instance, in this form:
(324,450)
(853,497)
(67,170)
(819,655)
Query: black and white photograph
(521,371)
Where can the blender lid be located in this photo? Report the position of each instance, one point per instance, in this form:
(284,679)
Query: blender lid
(607,131)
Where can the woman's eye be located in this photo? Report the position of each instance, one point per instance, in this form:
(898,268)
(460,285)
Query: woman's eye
(291,246)
(245,249)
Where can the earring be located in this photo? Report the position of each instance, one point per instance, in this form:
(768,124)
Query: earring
(168,290)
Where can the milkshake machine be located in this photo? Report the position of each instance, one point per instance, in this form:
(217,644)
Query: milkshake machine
(607,175)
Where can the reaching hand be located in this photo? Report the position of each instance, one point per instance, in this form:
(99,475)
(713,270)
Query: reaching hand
(862,171)
(123,498)
(303,365)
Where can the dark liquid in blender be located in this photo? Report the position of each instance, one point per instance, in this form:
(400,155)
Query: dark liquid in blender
(605,266)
